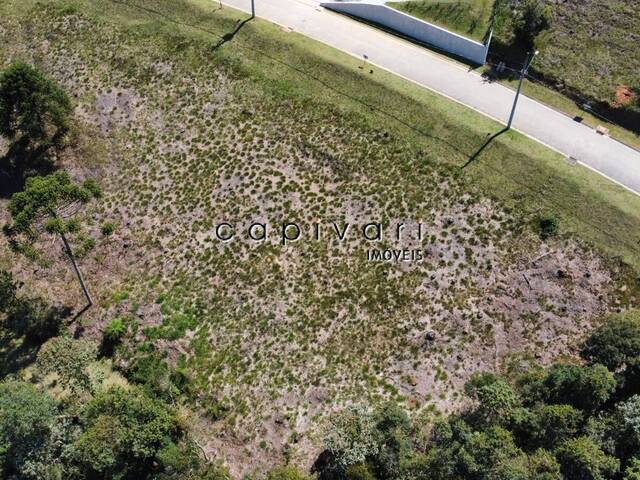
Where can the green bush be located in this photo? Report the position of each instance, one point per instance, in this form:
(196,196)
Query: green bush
(115,330)
(586,388)
(286,473)
(27,418)
(125,435)
(107,229)
(616,344)
(547,226)
(112,336)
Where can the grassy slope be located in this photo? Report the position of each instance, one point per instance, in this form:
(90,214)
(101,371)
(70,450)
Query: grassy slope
(514,169)
(279,71)
(592,47)
(466,17)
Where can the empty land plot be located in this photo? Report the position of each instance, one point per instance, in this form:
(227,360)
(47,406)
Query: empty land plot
(271,336)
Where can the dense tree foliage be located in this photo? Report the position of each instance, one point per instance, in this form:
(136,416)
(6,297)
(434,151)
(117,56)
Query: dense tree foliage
(32,105)
(616,345)
(27,419)
(42,200)
(125,433)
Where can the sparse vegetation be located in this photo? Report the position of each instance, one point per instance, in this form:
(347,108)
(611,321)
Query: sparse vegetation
(257,343)
(587,52)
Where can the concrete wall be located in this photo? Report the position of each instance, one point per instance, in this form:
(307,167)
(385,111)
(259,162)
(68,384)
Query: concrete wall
(415,28)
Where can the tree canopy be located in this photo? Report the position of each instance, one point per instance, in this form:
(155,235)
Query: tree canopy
(32,105)
(42,199)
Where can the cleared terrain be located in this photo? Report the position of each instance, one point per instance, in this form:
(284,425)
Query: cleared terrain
(185,131)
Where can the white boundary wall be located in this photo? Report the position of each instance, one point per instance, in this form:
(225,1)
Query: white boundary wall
(415,28)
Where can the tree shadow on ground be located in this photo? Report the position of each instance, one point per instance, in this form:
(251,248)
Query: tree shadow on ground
(22,334)
(23,160)
(326,468)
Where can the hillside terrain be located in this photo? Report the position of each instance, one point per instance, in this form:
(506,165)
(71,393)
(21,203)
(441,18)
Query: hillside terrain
(591,50)
(589,53)
(470,18)
(188,127)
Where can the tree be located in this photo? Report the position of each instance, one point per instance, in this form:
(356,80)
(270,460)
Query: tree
(126,433)
(581,459)
(632,472)
(394,429)
(351,436)
(616,345)
(69,359)
(531,18)
(586,388)
(26,419)
(555,423)
(40,207)
(543,466)
(32,105)
(496,398)
(627,427)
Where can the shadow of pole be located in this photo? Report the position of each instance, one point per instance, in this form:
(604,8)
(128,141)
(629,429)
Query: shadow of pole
(79,314)
(483,146)
(227,37)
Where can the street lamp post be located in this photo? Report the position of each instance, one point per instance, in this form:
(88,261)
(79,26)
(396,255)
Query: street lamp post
(523,72)
(253,8)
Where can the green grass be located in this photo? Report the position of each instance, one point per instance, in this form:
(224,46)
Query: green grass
(515,169)
(465,17)
(591,47)
(518,171)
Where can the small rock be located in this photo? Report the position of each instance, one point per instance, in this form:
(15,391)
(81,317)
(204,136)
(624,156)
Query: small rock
(430,336)
(561,273)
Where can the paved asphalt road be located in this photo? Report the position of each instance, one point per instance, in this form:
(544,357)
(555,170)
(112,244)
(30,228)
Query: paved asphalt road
(602,154)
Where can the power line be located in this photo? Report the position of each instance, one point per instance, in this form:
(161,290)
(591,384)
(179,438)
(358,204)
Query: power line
(239,43)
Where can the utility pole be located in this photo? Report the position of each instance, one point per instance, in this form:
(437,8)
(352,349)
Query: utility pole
(253,8)
(523,72)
